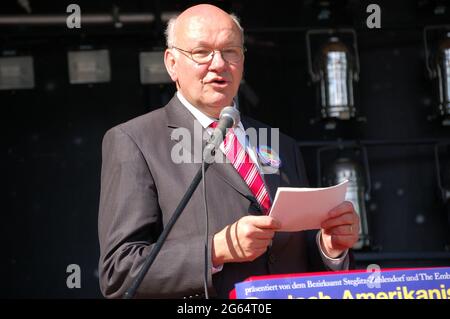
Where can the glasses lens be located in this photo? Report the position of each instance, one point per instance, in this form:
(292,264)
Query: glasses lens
(202,55)
(230,54)
(233,54)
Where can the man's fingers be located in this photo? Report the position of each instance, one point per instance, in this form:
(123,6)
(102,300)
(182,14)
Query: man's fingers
(341,209)
(250,230)
(265,222)
(345,219)
(261,233)
(344,241)
(343,230)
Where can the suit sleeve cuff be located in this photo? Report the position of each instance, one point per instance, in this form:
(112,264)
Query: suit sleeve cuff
(340,263)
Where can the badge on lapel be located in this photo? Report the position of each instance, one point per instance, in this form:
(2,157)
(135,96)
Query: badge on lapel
(268,157)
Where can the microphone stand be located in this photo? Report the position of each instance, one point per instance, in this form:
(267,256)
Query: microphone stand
(228,117)
(162,238)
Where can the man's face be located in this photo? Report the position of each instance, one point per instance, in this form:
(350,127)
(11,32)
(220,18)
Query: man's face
(209,86)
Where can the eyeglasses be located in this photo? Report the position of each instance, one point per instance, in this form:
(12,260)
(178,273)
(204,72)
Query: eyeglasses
(203,55)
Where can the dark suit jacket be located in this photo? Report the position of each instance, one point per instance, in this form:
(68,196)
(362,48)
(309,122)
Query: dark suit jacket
(140,189)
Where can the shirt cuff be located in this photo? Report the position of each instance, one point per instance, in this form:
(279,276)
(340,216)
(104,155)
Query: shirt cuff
(215,270)
(340,263)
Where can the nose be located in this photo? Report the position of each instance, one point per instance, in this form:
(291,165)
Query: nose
(217,62)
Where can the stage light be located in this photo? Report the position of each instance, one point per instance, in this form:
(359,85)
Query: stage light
(442,166)
(437,59)
(334,69)
(89,66)
(340,170)
(16,72)
(152,68)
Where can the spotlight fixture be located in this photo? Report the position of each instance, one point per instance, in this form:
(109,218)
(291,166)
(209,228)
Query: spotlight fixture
(334,68)
(89,66)
(16,72)
(346,169)
(152,68)
(437,60)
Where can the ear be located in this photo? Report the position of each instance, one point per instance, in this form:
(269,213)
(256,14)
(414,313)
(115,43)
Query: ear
(170,62)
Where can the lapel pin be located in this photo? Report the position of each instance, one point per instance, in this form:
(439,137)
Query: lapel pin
(268,156)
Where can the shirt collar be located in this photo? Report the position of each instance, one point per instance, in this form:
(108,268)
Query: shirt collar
(204,119)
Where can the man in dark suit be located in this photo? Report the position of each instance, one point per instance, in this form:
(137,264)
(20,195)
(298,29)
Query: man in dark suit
(142,183)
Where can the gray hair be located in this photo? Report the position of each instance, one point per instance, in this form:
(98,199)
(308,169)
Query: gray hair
(170,34)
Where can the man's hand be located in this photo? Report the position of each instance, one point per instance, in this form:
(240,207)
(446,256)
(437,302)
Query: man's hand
(340,231)
(245,240)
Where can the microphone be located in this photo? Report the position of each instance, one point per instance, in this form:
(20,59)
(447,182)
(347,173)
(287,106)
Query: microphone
(229,117)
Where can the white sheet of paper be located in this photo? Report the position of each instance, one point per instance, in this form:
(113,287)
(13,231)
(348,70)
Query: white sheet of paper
(305,208)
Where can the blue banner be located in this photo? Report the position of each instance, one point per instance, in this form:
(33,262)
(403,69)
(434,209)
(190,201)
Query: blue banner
(418,283)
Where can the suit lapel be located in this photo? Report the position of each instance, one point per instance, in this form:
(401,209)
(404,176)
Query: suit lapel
(178,116)
(228,173)
(272,182)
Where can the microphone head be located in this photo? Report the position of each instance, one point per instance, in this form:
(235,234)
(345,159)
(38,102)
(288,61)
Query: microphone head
(232,113)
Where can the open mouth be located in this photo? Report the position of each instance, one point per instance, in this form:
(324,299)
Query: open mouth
(218,81)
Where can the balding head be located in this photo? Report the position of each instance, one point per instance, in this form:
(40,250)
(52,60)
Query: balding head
(199,11)
(205,57)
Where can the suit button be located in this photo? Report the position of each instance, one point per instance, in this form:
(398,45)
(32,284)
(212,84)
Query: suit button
(272,258)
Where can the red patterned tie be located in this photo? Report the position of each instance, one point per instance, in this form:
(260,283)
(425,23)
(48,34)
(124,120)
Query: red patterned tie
(241,161)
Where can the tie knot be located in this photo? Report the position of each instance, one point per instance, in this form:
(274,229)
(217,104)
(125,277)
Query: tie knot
(214,124)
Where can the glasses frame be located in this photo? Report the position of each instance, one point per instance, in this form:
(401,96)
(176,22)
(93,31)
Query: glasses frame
(189,54)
